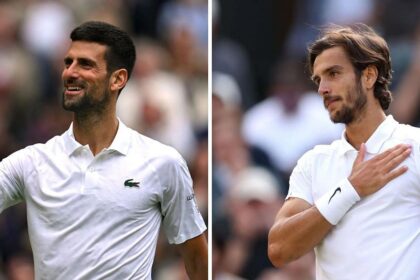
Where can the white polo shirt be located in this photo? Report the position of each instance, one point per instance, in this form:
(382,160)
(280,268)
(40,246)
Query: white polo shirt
(99,217)
(379,237)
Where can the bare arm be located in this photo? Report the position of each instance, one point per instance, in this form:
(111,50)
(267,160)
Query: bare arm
(299,226)
(195,255)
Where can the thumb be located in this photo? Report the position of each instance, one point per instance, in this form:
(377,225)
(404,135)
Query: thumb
(360,155)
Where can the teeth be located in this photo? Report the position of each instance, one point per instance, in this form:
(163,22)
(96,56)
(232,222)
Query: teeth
(74,88)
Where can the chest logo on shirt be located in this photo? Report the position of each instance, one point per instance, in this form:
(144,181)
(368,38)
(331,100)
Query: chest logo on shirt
(190,197)
(130,184)
(336,191)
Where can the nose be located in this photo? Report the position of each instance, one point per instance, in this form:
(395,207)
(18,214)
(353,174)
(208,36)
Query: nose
(70,72)
(323,88)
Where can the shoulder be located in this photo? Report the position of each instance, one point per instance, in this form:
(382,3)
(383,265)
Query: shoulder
(50,145)
(53,146)
(155,151)
(407,133)
(28,158)
(320,155)
(321,151)
(166,162)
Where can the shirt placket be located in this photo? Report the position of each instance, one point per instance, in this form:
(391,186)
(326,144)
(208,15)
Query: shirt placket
(87,166)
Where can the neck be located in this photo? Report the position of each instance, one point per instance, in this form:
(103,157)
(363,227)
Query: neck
(96,130)
(360,130)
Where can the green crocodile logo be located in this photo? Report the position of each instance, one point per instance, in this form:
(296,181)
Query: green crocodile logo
(129,183)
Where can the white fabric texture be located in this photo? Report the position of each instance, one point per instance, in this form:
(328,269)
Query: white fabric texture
(379,236)
(334,204)
(99,217)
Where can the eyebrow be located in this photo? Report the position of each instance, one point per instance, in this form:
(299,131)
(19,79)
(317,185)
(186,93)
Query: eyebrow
(329,69)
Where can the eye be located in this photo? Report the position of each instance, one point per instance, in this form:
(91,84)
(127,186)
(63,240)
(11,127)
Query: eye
(333,73)
(68,62)
(85,64)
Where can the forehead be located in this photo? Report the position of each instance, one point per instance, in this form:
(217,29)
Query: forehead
(335,56)
(82,49)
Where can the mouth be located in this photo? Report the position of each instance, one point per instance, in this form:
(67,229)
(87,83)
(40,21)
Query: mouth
(328,101)
(72,89)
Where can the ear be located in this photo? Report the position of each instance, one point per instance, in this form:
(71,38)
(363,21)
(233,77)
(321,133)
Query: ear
(118,79)
(369,77)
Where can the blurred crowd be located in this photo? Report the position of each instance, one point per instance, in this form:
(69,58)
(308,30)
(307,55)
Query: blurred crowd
(266,113)
(166,97)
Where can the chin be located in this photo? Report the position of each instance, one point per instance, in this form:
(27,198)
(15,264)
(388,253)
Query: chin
(70,106)
(336,119)
(344,120)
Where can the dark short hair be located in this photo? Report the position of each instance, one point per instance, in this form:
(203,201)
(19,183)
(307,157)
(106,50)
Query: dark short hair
(364,47)
(120,53)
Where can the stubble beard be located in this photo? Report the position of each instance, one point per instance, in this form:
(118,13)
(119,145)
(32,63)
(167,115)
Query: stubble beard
(355,103)
(87,104)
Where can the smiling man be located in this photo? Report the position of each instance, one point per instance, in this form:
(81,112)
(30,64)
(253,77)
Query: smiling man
(356,201)
(97,194)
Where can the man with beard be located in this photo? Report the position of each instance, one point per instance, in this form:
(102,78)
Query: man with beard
(97,194)
(357,200)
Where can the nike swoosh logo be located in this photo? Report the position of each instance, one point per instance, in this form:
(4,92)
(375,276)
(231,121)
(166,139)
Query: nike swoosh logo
(336,190)
(129,183)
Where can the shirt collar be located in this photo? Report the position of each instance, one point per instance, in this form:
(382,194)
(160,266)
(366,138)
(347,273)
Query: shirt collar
(376,140)
(121,142)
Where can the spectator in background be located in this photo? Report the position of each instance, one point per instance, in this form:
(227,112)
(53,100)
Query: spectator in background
(185,36)
(231,154)
(191,14)
(230,58)
(405,108)
(221,239)
(407,91)
(156,101)
(44,28)
(17,98)
(200,172)
(300,269)
(250,204)
(290,121)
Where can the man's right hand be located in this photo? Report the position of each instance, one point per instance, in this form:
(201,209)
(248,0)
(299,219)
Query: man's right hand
(369,176)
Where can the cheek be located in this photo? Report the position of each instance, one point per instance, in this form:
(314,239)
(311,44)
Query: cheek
(350,90)
(105,82)
(99,84)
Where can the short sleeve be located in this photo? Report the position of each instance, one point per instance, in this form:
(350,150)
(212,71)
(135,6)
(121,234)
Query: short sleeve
(181,218)
(11,179)
(300,180)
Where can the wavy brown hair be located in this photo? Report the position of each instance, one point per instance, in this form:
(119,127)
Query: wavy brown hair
(364,47)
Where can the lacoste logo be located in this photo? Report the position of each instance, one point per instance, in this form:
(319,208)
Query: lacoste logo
(336,190)
(190,197)
(129,183)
